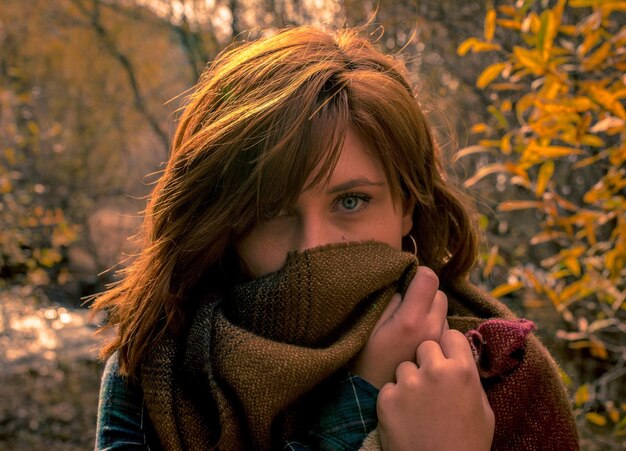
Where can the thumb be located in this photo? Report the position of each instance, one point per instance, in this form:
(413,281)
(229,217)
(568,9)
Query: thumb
(389,311)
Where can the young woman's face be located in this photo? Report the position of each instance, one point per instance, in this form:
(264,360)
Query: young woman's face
(355,205)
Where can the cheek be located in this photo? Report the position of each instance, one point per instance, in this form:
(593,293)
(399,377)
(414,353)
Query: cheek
(386,228)
(393,232)
(260,255)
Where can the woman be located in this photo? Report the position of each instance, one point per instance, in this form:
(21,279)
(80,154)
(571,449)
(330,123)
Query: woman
(272,305)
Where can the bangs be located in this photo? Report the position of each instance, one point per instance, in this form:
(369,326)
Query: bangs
(302,153)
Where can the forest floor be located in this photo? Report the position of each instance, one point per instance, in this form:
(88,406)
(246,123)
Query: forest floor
(49,373)
(50,376)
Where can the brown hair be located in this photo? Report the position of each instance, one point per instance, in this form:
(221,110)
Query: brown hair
(261,118)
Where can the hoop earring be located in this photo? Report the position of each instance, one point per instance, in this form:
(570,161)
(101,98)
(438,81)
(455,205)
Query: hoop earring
(414,245)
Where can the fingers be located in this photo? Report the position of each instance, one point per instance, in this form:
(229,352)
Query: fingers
(406,370)
(390,310)
(420,293)
(421,297)
(428,352)
(454,345)
(438,313)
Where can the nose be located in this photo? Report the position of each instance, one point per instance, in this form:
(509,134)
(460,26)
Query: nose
(316,231)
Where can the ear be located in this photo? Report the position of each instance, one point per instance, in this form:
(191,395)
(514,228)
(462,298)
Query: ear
(407,218)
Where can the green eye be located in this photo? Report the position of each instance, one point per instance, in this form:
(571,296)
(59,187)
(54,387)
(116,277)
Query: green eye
(350,203)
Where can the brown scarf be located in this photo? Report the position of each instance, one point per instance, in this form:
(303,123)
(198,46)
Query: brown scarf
(237,380)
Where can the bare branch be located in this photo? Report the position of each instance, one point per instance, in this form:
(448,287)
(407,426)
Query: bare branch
(111,47)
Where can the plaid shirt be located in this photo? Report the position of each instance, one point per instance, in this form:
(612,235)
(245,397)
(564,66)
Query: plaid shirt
(347,417)
(343,423)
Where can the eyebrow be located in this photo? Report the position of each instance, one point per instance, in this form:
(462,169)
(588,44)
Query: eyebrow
(351,184)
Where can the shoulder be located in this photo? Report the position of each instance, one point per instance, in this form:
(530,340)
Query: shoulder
(121,419)
(117,390)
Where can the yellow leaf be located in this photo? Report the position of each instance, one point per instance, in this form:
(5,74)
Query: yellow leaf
(491,261)
(544,176)
(597,58)
(497,114)
(575,291)
(489,142)
(535,23)
(607,100)
(510,24)
(490,25)
(582,344)
(573,265)
(529,59)
(479,128)
(590,231)
(33,128)
(64,234)
(465,46)
(49,257)
(610,7)
(565,377)
(582,395)
(588,3)
(10,156)
(565,254)
(475,46)
(612,411)
(592,140)
(589,160)
(596,418)
(558,12)
(508,10)
(510,205)
(583,104)
(516,169)
(549,235)
(598,349)
(506,288)
(505,144)
(552,151)
(620,93)
(523,104)
(569,30)
(546,35)
(490,74)
(618,156)
(590,40)
(507,87)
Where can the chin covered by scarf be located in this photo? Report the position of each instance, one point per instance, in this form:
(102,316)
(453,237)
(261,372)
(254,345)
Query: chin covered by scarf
(249,365)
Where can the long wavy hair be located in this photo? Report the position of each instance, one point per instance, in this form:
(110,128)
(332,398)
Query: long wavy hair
(261,118)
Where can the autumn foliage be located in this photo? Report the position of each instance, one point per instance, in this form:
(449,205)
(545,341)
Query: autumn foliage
(556,133)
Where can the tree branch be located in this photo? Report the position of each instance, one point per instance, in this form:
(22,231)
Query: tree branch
(127,66)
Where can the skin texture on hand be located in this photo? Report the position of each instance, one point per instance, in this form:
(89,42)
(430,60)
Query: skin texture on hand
(437,403)
(405,323)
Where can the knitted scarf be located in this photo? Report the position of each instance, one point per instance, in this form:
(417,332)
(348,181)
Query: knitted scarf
(239,377)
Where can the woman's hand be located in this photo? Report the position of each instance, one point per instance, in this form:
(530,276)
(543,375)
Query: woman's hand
(404,324)
(437,404)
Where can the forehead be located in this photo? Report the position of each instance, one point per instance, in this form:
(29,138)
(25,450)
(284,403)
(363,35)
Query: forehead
(355,161)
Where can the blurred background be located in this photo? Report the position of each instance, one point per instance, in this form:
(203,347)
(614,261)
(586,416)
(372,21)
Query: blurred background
(526,98)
